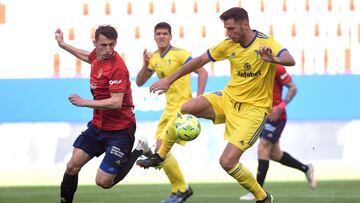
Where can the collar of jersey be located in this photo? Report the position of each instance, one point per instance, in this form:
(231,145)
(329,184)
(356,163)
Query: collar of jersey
(256,34)
(164,54)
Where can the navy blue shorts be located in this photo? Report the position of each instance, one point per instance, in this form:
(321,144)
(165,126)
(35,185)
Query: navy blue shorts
(272,130)
(116,144)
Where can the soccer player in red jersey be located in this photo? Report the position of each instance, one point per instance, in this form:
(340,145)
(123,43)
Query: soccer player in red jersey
(113,126)
(269,146)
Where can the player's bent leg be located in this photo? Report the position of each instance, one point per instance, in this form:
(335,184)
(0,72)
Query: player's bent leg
(70,180)
(199,107)
(229,161)
(167,143)
(179,188)
(287,160)
(264,150)
(104,180)
(168,140)
(174,174)
(276,152)
(142,148)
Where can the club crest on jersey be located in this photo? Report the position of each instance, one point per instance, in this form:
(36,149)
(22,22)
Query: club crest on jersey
(247,66)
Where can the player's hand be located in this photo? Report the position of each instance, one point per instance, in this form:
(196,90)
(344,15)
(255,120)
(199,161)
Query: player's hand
(161,86)
(266,54)
(59,36)
(76,100)
(276,112)
(146,56)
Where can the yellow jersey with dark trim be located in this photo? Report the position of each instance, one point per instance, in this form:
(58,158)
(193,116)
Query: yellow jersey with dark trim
(167,64)
(251,78)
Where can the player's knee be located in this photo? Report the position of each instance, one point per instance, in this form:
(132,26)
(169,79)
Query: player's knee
(226,164)
(275,156)
(72,169)
(186,108)
(264,150)
(105,184)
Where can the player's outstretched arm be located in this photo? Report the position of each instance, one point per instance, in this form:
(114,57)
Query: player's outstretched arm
(79,53)
(202,78)
(114,102)
(163,85)
(284,59)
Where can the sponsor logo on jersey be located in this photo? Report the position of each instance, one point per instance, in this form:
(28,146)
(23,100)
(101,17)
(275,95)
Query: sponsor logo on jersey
(114,82)
(249,74)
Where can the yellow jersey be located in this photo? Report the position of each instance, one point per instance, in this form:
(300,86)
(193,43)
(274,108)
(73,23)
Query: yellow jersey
(251,78)
(167,64)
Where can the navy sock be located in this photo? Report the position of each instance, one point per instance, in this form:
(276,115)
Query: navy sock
(68,188)
(262,171)
(289,161)
(127,167)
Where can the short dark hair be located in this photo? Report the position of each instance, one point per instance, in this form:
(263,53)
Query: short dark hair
(237,13)
(107,30)
(162,25)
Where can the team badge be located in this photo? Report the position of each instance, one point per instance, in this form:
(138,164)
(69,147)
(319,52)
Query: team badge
(247,66)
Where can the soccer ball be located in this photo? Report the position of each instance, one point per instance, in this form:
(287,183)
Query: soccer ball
(187,127)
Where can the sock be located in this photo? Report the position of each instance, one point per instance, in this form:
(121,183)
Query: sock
(68,188)
(173,172)
(289,161)
(127,167)
(245,179)
(262,171)
(169,140)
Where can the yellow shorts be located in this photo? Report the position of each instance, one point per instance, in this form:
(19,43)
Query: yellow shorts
(243,122)
(166,119)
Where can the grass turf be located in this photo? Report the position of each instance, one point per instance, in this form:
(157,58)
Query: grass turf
(289,192)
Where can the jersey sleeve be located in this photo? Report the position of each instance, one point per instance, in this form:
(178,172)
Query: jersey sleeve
(276,47)
(184,56)
(282,75)
(151,67)
(218,52)
(92,56)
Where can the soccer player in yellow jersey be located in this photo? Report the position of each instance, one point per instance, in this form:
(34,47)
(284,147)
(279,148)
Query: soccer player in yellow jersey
(166,61)
(245,102)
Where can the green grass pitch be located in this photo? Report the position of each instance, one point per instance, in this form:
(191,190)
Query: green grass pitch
(284,192)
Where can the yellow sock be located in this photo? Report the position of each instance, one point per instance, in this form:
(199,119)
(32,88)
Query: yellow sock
(246,179)
(169,139)
(173,172)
